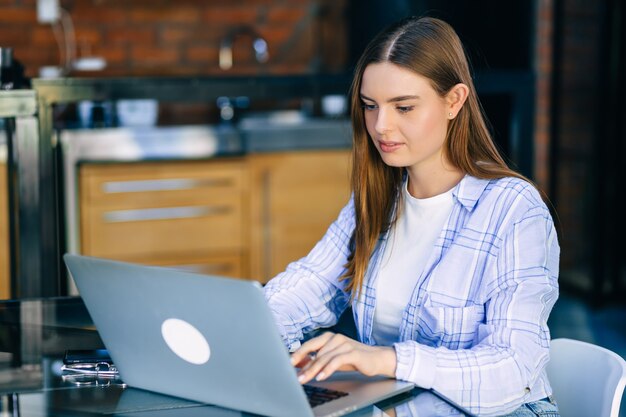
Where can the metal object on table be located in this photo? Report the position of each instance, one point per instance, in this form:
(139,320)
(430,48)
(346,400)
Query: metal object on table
(101,373)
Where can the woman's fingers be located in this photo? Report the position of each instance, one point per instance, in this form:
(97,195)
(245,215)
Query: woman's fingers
(337,348)
(341,359)
(303,355)
(322,356)
(333,342)
(318,368)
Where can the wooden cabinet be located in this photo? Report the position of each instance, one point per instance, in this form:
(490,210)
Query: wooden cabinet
(188,214)
(247,217)
(295,196)
(5,279)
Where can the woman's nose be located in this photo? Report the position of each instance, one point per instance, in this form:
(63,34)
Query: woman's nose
(383,121)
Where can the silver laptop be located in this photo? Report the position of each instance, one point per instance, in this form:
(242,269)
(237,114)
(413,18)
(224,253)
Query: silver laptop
(206,338)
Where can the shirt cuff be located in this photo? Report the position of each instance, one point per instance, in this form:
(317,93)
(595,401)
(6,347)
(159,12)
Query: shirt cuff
(415,364)
(293,345)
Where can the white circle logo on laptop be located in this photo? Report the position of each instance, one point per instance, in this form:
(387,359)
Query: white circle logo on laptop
(186,341)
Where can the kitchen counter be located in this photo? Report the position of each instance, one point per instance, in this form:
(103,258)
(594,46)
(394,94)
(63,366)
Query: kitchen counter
(197,142)
(252,135)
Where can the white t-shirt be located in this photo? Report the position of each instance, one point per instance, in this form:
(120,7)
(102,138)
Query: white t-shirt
(409,245)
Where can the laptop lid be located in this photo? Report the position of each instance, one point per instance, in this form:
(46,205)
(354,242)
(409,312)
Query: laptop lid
(205,338)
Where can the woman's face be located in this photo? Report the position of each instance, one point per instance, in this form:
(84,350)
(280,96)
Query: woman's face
(405,117)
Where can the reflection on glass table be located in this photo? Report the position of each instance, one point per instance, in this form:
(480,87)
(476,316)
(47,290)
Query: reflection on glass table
(119,401)
(423,403)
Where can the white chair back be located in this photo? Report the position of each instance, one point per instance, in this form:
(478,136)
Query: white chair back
(587,380)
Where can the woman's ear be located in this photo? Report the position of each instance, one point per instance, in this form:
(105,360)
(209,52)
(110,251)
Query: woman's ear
(455,99)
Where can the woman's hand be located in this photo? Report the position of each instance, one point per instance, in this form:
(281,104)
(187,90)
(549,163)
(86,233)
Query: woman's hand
(321,356)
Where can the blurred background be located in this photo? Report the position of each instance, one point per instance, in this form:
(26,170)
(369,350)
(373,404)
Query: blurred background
(550,74)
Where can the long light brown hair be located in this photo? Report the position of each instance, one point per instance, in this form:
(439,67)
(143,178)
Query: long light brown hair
(431,48)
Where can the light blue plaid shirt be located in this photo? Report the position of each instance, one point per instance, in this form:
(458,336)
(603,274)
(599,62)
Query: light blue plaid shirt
(475,328)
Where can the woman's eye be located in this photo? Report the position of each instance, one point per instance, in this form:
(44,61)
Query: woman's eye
(404,109)
(366,106)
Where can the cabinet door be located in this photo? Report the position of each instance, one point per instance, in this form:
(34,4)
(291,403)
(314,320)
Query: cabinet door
(5,280)
(151,212)
(295,196)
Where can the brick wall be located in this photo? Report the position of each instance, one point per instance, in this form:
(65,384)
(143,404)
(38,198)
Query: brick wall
(183,36)
(543,72)
(577,103)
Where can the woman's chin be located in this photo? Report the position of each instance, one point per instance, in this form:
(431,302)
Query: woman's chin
(393,160)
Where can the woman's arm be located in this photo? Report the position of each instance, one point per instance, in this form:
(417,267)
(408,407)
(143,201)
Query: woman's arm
(511,349)
(308,294)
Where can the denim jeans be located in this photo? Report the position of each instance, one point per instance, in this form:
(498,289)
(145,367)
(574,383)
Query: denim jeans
(541,408)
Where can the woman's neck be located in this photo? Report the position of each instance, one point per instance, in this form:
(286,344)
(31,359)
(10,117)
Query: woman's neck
(429,183)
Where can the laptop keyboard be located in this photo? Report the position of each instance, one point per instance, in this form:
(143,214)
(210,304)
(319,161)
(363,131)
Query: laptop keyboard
(318,396)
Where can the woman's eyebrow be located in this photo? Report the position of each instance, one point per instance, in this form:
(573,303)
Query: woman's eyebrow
(393,99)
(402,98)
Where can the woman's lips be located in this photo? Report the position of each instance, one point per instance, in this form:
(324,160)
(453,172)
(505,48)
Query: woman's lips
(388,146)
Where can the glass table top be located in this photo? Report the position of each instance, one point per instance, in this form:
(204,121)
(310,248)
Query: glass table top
(34,335)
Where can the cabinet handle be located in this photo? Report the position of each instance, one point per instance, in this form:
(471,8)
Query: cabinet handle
(212,269)
(139,186)
(167,213)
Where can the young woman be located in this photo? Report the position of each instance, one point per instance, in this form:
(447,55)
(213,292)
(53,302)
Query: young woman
(448,258)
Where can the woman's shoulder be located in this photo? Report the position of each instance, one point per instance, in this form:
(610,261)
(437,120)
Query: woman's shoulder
(516,190)
(505,202)
(517,185)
